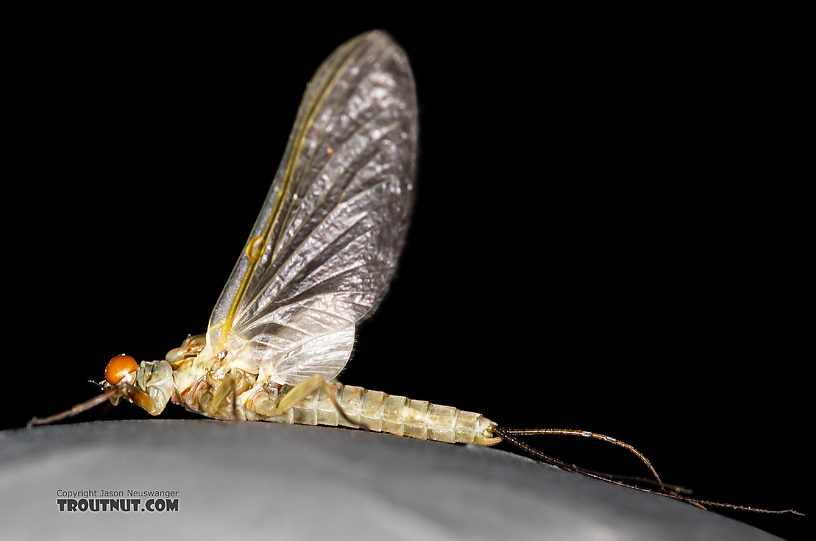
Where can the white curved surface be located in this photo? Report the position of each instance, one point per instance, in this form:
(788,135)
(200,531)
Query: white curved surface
(266,481)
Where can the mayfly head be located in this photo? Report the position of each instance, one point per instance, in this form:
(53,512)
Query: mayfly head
(148,384)
(119,368)
(120,375)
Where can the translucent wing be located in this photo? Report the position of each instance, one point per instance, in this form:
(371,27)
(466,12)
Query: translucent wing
(326,243)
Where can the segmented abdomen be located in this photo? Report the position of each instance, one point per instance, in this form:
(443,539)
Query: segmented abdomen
(398,415)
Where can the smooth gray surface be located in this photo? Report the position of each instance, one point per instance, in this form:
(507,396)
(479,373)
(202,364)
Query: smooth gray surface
(267,481)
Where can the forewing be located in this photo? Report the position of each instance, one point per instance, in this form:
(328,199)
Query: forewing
(326,243)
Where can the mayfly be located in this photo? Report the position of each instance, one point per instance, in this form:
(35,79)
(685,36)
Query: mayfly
(318,261)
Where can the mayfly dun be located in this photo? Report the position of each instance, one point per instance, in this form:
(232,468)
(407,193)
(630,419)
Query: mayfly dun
(318,261)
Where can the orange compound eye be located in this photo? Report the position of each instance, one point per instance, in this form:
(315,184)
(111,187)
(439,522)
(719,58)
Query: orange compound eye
(119,367)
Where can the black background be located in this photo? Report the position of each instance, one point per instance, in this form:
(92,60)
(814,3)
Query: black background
(609,232)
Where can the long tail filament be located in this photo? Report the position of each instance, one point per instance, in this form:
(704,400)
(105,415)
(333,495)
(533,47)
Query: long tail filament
(669,491)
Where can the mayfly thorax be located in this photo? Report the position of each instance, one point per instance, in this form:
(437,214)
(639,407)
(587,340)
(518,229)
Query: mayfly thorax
(318,261)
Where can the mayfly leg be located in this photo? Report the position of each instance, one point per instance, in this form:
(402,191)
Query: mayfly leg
(303,389)
(228,387)
(76,410)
